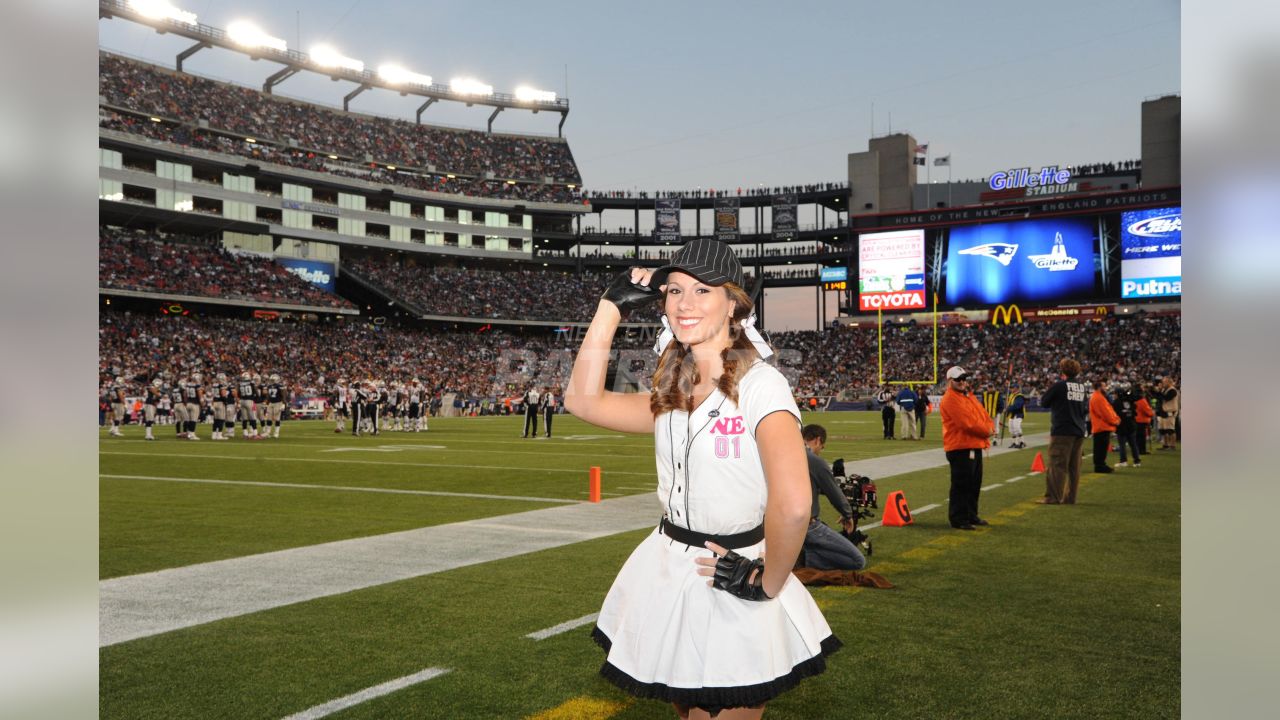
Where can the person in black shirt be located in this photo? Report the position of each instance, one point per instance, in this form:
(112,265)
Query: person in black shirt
(247,393)
(548,403)
(887,411)
(531,398)
(1068,404)
(1126,405)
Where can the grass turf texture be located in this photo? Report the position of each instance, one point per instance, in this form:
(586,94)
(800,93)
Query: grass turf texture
(1051,612)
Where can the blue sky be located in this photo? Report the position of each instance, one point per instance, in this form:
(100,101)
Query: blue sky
(668,95)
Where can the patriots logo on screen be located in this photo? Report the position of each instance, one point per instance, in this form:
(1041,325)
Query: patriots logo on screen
(1057,259)
(1000,252)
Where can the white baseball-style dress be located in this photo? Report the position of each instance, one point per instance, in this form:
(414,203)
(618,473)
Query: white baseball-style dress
(667,634)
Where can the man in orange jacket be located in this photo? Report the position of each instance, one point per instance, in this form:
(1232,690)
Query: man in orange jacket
(1102,421)
(966,432)
(1144,417)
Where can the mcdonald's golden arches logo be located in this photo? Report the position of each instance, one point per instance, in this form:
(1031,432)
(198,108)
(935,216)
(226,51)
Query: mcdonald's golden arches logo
(1008,314)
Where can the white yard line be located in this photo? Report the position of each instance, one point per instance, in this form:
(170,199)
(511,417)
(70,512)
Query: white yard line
(302,486)
(370,693)
(563,627)
(377,462)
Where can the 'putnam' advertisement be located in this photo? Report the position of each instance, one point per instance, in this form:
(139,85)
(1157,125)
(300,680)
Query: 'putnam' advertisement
(891,270)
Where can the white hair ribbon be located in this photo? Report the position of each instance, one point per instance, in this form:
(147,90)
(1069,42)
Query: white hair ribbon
(757,341)
(665,337)
(748,326)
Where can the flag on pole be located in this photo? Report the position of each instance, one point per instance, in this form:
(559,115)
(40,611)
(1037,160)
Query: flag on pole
(918,161)
(944,160)
(922,149)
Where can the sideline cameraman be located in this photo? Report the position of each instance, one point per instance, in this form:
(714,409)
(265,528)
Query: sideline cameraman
(824,548)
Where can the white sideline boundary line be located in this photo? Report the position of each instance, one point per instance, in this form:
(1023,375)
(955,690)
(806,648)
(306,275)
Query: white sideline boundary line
(345,488)
(373,462)
(369,693)
(390,440)
(563,627)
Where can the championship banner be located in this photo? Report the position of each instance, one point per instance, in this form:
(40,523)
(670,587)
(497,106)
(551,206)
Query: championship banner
(727,218)
(667,228)
(784,217)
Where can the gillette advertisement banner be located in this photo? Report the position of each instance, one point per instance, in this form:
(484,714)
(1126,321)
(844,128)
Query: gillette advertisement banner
(1047,260)
(1151,253)
(320,274)
(891,270)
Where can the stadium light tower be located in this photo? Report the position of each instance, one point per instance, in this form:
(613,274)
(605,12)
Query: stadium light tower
(162,10)
(397,75)
(248,35)
(529,94)
(326,56)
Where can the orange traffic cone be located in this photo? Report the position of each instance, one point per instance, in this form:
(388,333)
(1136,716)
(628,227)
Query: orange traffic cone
(896,513)
(1037,465)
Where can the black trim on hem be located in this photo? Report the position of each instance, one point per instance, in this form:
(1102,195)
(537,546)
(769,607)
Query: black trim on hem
(714,699)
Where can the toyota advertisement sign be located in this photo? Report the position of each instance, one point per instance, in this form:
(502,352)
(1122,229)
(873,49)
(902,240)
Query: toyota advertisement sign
(1151,253)
(891,270)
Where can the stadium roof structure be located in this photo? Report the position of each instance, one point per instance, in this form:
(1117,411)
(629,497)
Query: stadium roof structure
(294,61)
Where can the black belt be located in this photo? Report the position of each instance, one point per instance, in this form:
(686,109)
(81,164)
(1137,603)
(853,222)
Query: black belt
(697,539)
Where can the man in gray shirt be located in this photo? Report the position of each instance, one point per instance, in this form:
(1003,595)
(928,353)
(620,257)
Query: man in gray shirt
(824,548)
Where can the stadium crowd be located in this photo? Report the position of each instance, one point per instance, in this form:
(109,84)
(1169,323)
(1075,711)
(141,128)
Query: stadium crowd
(182,265)
(711,192)
(306,134)
(314,355)
(491,294)
(840,362)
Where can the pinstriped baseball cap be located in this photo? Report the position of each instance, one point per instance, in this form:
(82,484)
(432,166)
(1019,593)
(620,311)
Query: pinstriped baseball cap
(711,261)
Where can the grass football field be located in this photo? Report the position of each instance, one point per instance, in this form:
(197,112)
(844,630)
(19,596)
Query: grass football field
(1051,612)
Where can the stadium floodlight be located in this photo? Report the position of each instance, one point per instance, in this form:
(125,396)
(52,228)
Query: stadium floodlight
(326,56)
(470,86)
(528,94)
(396,75)
(243,32)
(162,10)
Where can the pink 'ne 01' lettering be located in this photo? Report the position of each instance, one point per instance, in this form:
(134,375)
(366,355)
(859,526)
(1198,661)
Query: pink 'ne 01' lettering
(722,446)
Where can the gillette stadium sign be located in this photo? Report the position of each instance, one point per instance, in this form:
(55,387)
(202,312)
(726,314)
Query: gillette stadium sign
(1048,181)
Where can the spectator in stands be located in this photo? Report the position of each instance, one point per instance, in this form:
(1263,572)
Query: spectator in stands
(201,112)
(184,265)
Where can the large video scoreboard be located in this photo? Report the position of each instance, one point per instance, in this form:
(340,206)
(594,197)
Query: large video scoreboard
(1108,248)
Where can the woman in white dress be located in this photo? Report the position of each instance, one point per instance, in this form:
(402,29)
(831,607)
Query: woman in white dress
(696,617)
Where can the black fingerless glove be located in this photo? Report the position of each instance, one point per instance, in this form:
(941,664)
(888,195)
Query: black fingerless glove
(733,575)
(628,295)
